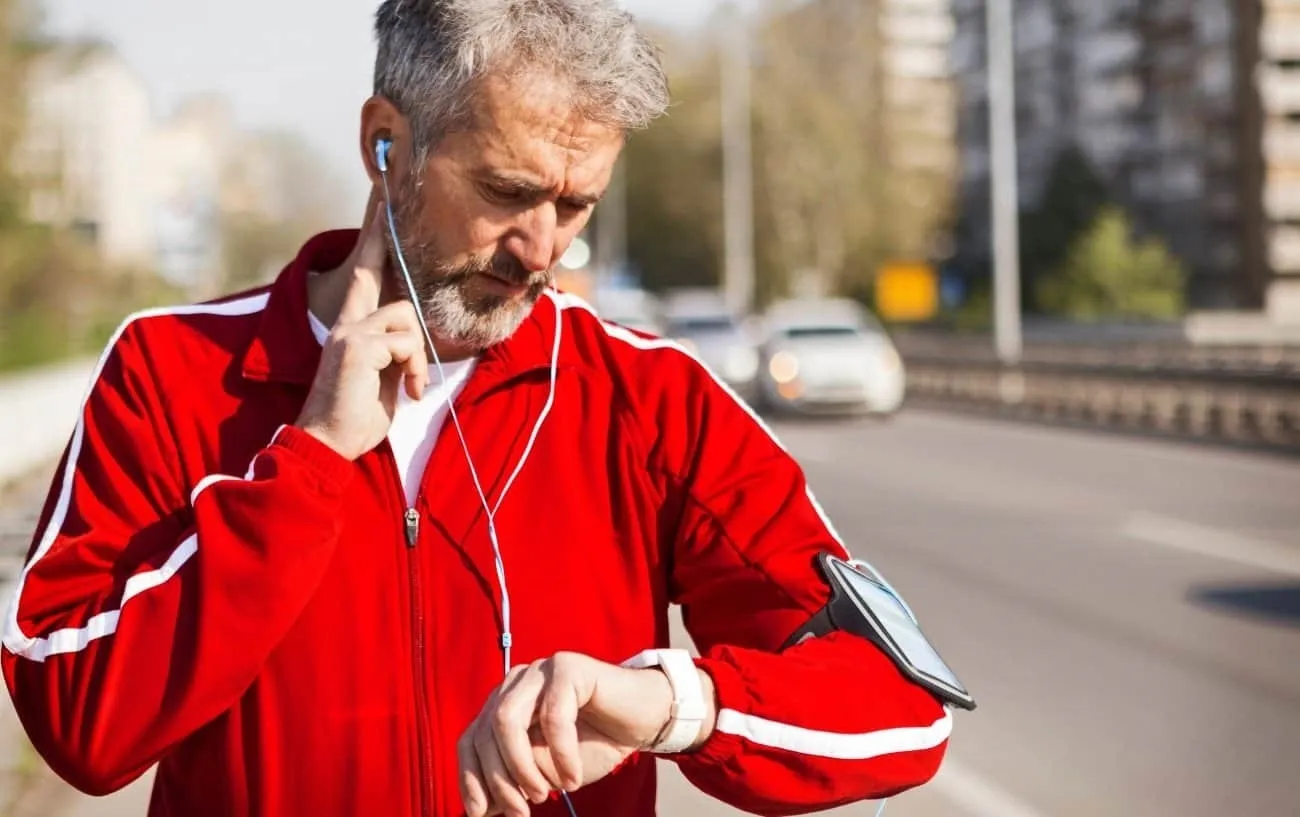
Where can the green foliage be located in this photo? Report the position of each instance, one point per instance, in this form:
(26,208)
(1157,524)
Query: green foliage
(258,239)
(1070,202)
(38,267)
(255,249)
(57,301)
(59,298)
(15,46)
(1108,274)
(674,181)
(828,193)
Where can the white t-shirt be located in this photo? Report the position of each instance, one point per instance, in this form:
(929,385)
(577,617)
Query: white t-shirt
(416,423)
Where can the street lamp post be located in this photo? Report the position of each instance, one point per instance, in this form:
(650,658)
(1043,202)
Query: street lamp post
(737,163)
(1000,44)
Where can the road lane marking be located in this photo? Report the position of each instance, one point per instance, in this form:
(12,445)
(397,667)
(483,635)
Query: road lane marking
(1213,542)
(977,795)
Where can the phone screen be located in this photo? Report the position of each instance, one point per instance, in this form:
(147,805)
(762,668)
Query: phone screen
(916,649)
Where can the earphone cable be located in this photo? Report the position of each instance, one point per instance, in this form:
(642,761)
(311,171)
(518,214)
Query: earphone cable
(491,510)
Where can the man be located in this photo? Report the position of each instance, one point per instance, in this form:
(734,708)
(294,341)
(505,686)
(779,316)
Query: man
(276,563)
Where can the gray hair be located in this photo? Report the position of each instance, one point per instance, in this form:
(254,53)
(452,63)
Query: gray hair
(432,54)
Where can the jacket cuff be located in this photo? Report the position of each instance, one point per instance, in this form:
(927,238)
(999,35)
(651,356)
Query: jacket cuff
(332,468)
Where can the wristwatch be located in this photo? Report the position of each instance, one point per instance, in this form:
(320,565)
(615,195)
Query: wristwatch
(688,710)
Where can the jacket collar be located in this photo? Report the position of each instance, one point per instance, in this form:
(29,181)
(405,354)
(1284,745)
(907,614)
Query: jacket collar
(284,350)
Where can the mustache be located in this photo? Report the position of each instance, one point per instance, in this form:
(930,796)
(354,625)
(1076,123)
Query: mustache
(433,272)
(501,265)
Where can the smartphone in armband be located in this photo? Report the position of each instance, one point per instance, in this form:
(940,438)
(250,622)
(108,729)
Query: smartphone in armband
(865,605)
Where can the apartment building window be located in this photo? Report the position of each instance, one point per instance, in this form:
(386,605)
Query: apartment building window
(1223,204)
(966,53)
(1214,22)
(1183,180)
(1145,185)
(1107,50)
(1216,75)
(86,231)
(1122,12)
(1226,253)
(974,163)
(1035,27)
(1169,12)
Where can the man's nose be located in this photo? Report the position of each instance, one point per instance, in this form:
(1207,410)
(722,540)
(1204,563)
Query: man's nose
(532,241)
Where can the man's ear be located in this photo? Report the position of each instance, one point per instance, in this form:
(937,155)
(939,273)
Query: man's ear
(380,119)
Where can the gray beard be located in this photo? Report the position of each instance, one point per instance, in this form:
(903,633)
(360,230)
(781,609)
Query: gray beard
(453,312)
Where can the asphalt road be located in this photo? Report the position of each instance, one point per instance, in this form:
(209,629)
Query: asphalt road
(1127,613)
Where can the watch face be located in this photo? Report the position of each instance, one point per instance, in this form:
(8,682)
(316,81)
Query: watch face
(891,613)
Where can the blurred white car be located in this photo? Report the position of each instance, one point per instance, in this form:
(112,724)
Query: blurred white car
(709,331)
(829,356)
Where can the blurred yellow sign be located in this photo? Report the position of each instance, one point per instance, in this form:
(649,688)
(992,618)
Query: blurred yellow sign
(907,291)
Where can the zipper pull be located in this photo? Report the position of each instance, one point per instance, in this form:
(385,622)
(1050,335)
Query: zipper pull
(412,518)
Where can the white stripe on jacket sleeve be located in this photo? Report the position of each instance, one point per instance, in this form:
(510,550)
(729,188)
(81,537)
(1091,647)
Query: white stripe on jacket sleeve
(74,639)
(837,745)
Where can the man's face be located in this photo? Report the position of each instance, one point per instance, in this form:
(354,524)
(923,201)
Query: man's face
(484,222)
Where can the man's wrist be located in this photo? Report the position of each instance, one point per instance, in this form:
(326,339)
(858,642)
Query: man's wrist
(689,704)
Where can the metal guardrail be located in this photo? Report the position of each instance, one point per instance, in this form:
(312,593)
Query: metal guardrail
(1191,398)
(1266,359)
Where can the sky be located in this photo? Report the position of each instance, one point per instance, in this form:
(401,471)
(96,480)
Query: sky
(298,64)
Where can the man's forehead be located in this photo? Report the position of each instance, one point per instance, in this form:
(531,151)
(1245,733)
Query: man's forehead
(531,125)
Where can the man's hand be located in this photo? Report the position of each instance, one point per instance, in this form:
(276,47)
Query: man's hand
(560,724)
(369,352)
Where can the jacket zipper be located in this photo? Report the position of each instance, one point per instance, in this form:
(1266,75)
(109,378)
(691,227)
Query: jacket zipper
(411,521)
(424,739)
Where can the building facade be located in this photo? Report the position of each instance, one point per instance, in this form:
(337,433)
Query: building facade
(1182,107)
(147,194)
(918,111)
(86,151)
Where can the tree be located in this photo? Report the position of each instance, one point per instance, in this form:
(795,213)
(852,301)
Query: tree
(276,190)
(1072,198)
(1109,274)
(831,194)
(14,49)
(673,172)
(34,265)
(820,169)
(54,298)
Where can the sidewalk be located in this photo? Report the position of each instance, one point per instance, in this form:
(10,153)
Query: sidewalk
(133,801)
(20,768)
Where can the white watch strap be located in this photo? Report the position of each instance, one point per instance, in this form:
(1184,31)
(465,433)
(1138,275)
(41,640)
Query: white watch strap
(688,697)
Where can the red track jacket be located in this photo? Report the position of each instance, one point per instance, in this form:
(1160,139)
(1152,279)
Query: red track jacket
(214,591)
